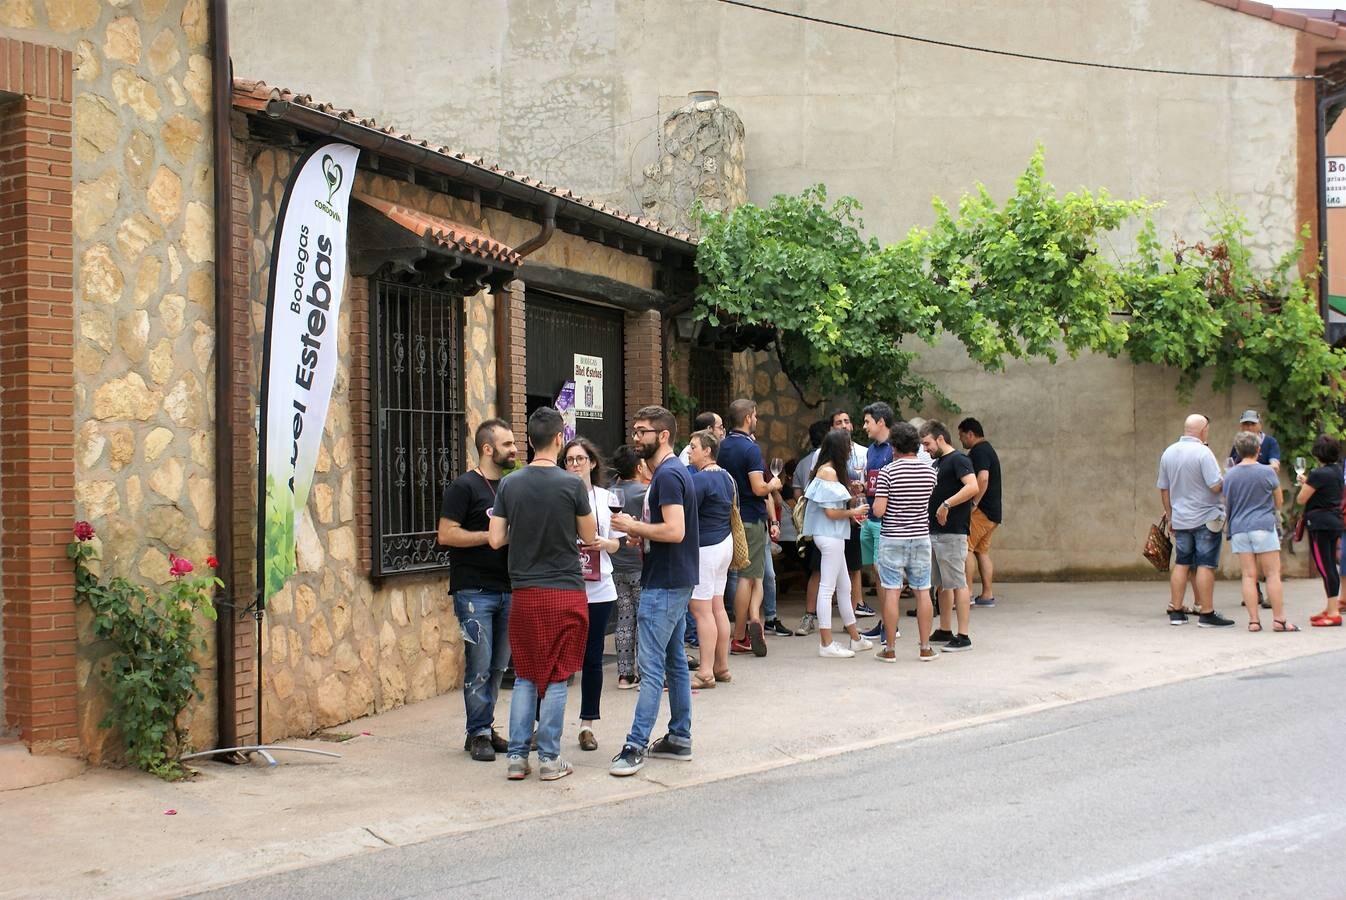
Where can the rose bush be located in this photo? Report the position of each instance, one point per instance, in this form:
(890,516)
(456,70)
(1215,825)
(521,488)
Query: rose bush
(150,671)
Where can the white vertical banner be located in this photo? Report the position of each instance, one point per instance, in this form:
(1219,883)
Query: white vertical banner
(299,362)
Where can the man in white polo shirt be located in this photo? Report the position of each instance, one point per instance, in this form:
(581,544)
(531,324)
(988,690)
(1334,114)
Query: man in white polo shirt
(1189,487)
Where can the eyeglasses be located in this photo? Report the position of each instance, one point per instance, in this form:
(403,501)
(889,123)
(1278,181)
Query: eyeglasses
(641,432)
(576,460)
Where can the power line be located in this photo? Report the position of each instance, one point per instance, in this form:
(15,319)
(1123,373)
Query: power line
(1049,59)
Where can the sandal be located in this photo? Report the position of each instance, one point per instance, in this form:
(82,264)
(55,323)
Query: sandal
(1282,625)
(1255,626)
(1325,621)
(724,676)
(702,683)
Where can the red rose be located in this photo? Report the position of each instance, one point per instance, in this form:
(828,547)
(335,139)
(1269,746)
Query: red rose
(212,562)
(177,566)
(83,530)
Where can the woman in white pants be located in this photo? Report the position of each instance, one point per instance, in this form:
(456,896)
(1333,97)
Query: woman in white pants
(827,520)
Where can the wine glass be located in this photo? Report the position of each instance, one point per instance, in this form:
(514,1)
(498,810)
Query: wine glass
(777,466)
(616,499)
(1300,468)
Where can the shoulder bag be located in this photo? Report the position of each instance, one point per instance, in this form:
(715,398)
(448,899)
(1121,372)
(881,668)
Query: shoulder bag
(1159,545)
(741,556)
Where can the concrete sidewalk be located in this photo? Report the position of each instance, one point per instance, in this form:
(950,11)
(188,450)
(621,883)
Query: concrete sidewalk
(107,833)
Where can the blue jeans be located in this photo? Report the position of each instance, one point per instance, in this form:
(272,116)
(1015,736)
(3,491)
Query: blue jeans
(551,718)
(484,619)
(1197,547)
(662,620)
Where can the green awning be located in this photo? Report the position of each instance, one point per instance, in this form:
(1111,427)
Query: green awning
(1337,302)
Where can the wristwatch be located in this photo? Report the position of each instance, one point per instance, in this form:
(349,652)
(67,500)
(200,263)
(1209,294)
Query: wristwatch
(946,505)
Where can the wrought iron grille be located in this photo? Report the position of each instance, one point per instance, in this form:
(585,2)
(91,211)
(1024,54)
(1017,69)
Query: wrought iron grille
(709,379)
(419,421)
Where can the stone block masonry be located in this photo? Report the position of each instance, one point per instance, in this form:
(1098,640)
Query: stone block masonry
(37,395)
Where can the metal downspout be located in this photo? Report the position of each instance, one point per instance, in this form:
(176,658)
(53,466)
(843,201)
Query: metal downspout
(503,331)
(222,96)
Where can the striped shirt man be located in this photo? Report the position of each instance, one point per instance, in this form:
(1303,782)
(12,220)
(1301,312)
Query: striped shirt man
(908,483)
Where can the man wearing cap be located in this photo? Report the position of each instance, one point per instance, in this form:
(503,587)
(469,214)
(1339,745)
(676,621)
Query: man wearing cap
(1269,451)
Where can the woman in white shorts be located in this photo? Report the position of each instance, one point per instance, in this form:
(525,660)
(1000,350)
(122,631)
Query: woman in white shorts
(714,497)
(1252,494)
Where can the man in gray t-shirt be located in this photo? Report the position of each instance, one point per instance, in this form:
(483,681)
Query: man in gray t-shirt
(1189,487)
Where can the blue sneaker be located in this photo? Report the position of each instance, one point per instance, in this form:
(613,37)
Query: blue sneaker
(875,632)
(983,601)
(864,611)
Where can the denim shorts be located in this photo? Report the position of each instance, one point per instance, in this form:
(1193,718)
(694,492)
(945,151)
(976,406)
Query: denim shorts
(1197,547)
(904,561)
(1255,542)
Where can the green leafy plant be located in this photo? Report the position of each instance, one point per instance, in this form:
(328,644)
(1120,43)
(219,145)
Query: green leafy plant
(1026,279)
(150,671)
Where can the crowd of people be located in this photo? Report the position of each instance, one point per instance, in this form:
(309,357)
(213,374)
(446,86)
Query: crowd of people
(1204,506)
(684,549)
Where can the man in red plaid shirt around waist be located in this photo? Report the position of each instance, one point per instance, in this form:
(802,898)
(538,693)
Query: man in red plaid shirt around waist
(543,513)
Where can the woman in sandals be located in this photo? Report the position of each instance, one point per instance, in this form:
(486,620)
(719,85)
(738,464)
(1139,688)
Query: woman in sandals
(1320,492)
(827,519)
(583,459)
(715,494)
(626,564)
(1252,495)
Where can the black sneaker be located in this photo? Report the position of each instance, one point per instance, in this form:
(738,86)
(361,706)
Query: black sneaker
(479,745)
(959,642)
(757,639)
(911,614)
(666,749)
(777,627)
(875,632)
(864,611)
(1213,619)
(498,742)
(630,761)
(940,635)
(1177,617)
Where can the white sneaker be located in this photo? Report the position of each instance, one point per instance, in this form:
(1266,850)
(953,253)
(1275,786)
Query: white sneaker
(808,624)
(861,645)
(835,651)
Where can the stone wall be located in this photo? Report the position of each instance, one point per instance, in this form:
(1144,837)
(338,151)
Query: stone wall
(701,161)
(144,288)
(336,645)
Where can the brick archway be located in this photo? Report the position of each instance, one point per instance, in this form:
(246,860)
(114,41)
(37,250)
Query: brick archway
(37,397)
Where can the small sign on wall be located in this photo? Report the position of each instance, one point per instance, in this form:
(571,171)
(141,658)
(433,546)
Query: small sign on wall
(588,386)
(1335,179)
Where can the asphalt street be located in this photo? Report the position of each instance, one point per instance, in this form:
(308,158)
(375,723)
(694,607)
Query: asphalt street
(1227,786)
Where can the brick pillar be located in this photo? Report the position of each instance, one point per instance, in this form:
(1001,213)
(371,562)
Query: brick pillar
(644,361)
(516,359)
(357,296)
(37,396)
(242,681)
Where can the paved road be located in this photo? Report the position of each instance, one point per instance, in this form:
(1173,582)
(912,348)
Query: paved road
(1225,787)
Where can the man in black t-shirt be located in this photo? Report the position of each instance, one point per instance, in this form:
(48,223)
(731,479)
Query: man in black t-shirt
(986,513)
(479,583)
(950,517)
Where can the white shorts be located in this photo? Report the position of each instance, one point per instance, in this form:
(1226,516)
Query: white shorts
(715,561)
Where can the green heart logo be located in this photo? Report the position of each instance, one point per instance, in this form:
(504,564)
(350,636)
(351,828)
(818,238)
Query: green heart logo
(332,172)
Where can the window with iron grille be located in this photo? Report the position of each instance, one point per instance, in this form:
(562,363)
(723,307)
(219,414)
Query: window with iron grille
(709,379)
(419,424)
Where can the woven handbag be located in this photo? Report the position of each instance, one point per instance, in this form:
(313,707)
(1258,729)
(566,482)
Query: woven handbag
(741,556)
(1159,545)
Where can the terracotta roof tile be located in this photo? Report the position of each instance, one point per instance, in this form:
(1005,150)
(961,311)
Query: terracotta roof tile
(448,234)
(1301,20)
(255,95)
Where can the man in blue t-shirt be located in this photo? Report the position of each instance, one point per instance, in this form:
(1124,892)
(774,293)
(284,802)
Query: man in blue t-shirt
(1268,449)
(742,458)
(878,423)
(671,570)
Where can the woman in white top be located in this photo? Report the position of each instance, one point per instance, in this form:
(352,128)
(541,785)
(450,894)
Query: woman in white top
(827,519)
(582,458)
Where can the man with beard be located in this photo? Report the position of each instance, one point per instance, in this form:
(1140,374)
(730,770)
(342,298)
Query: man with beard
(950,519)
(543,512)
(672,569)
(479,583)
